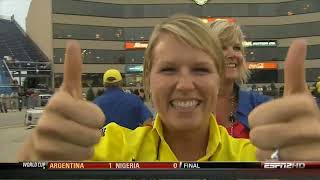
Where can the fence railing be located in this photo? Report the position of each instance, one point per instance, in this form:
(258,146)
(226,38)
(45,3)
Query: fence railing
(7,68)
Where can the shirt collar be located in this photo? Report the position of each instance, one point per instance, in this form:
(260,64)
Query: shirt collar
(112,89)
(166,153)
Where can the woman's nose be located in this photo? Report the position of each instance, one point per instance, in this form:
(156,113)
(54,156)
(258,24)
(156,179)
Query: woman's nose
(185,82)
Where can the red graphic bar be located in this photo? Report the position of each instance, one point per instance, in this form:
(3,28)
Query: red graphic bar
(313,165)
(110,165)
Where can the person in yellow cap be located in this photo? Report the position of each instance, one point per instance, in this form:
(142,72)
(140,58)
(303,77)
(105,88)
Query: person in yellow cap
(123,108)
(183,67)
(112,76)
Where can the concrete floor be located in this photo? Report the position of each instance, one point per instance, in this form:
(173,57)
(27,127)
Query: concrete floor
(12,134)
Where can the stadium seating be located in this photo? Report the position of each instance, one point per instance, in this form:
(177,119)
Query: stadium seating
(18,53)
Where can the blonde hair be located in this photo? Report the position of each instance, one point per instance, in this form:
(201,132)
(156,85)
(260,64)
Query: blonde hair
(191,30)
(229,33)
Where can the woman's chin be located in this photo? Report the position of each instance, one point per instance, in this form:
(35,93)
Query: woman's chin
(186,126)
(231,78)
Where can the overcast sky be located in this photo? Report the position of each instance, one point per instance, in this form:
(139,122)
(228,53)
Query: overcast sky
(17,7)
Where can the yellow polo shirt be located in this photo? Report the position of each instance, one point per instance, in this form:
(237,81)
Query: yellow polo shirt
(148,144)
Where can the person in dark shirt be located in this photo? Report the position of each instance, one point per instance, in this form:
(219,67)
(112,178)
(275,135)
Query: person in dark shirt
(123,108)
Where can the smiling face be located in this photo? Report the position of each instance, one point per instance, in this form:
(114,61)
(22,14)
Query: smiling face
(231,38)
(233,61)
(184,84)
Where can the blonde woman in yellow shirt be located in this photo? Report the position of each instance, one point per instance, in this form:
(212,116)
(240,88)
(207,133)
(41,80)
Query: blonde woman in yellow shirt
(182,70)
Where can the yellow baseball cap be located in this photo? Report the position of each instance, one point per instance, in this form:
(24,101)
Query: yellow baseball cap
(112,76)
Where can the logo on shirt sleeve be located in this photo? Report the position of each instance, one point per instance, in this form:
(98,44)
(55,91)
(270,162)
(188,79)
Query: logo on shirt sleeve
(103,131)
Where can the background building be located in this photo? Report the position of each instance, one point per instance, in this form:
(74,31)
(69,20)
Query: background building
(113,33)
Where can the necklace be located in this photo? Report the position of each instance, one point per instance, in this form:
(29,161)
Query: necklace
(232,118)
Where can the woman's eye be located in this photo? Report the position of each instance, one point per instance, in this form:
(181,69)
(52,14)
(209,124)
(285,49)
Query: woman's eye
(202,70)
(237,48)
(168,70)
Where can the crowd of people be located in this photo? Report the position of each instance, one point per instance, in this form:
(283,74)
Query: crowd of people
(12,102)
(17,100)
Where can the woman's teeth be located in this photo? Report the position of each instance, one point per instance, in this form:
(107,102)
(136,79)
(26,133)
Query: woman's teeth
(231,65)
(185,104)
